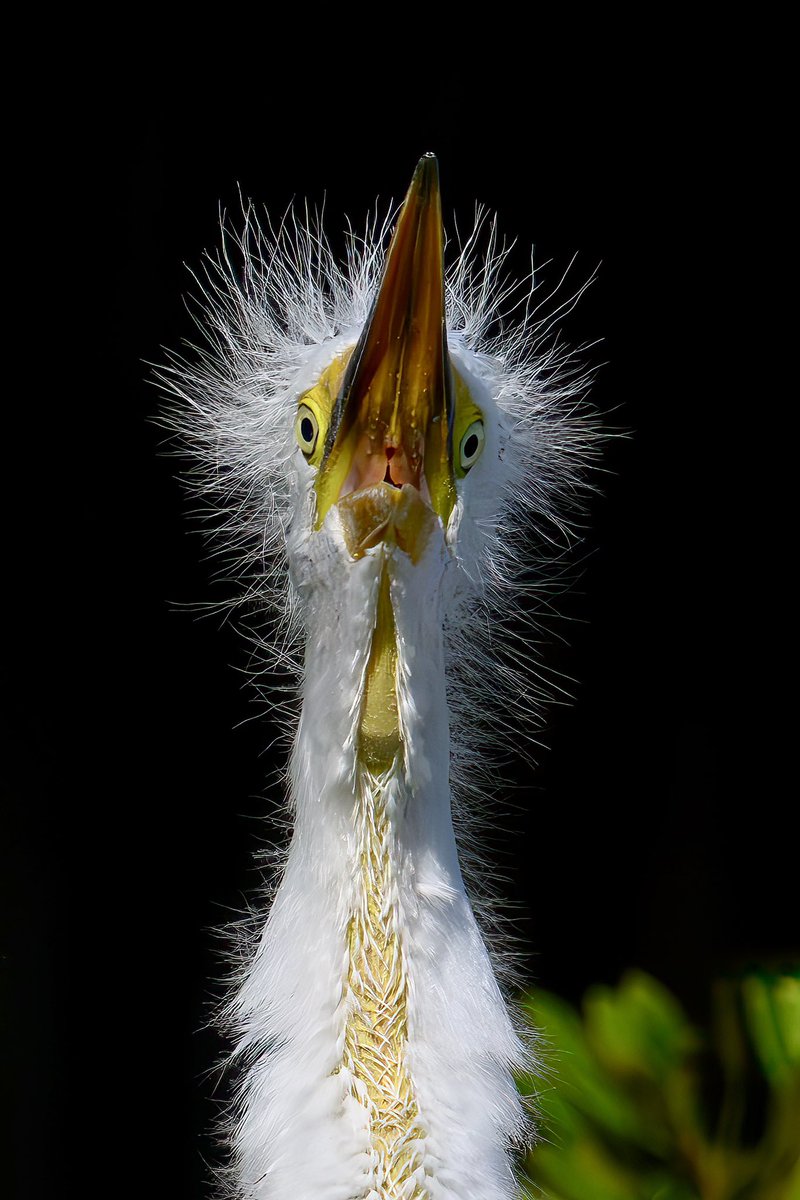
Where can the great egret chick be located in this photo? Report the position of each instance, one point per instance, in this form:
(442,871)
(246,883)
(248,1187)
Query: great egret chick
(379,443)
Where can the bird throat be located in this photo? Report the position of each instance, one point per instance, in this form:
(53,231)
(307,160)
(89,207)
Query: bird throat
(379,740)
(376,1030)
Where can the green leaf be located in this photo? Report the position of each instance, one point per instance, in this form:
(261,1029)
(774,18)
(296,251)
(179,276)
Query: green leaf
(637,1029)
(587,1171)
(620,1097)
(786,1005)
(765,1026)
(578,1088)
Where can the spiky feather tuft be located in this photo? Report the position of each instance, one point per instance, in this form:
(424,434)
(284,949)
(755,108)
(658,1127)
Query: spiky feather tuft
(273,306)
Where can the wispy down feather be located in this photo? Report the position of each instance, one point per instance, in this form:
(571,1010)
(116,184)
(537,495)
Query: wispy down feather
(275,307)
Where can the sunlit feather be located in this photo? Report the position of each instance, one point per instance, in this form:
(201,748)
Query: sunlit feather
(377,1047)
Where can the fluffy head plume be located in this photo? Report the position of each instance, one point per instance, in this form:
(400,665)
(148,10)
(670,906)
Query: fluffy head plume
(273,306)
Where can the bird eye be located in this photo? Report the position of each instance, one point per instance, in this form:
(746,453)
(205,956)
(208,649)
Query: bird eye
(306,430)
(471,445)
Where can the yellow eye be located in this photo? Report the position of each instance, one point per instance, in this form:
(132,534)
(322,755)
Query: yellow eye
(469,451)
(306,430)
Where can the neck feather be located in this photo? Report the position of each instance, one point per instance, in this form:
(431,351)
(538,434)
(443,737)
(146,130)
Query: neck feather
(380,1043)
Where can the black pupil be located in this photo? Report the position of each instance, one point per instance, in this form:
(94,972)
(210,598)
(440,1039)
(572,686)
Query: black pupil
(307,429)
(471,445)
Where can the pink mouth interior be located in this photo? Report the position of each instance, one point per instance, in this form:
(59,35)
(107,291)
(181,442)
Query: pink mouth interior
(376,462)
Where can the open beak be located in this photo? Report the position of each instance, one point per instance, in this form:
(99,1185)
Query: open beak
(391,425)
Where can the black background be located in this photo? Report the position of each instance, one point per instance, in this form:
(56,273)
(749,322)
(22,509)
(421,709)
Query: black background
(643,838)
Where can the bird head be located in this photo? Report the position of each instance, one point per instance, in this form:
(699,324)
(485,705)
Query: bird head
(345,415)
(390,429)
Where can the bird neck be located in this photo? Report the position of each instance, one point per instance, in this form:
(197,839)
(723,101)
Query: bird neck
(379,1044)
(374,697)
(395,756)
(376,1028)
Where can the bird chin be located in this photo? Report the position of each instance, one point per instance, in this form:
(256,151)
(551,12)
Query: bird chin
(384,514)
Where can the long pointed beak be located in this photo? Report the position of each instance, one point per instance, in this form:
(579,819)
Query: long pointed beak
(392,420)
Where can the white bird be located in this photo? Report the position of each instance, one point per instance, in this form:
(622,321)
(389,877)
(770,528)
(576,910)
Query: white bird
(377,450)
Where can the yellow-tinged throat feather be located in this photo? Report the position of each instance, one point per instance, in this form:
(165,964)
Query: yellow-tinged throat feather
(377,1024)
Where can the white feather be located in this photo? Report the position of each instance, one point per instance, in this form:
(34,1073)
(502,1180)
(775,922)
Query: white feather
(299,1130)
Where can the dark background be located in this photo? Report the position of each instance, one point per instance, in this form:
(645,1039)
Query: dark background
(643,838)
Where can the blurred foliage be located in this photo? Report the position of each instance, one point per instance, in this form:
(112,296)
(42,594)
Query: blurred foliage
(636,1103)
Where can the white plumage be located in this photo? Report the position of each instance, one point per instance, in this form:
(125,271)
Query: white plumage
(377,1044)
